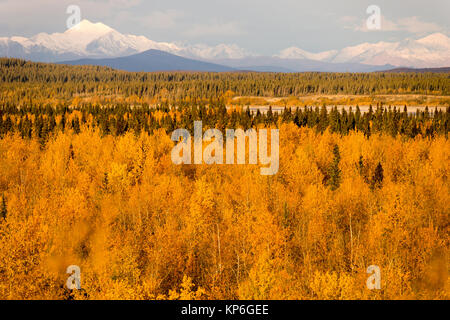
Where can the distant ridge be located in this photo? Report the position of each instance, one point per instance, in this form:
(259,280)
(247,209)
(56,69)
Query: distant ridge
(156,60)
(276,64)
(153,60)
(421,70)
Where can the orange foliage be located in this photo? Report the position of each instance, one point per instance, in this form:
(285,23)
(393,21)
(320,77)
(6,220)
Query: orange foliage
(141,227)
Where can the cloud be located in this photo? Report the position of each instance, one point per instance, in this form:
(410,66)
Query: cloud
(386,25)
(161,19)
(414,25)
(409,24)
(231,28)
(166,19)
(348,20)
(123,3)
(38,12)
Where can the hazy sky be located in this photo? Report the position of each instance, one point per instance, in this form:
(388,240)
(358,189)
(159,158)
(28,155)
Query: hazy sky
(260,26)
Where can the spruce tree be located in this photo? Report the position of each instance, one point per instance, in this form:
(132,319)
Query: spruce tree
(3,208)
(377,179)
(334,173)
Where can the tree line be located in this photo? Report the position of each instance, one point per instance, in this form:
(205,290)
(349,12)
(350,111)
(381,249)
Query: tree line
(41,121)
(62,81)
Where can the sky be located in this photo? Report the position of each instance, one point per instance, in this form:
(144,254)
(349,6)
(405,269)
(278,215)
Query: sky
(259,26)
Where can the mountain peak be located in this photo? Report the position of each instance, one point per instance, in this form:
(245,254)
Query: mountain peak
(85,26)
(437,41)
(435,38)
(297,53)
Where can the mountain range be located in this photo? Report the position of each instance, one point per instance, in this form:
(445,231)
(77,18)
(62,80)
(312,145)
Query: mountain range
(97,41)
(432,51)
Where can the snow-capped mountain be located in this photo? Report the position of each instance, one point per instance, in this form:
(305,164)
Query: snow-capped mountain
(96,40)
(297,53)
(221,51)
(431,51)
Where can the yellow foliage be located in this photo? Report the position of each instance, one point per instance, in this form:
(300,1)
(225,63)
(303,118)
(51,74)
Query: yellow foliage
(141,227)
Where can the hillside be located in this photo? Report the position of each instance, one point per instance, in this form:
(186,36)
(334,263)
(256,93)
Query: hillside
(422,70)
(153,60)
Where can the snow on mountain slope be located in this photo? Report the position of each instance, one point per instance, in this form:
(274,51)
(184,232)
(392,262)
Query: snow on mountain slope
(115,44)
(297,53)
(97,40)
(221,51)
(74,40)
(430,51)
(436,40)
